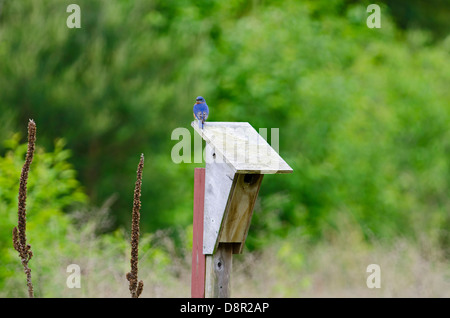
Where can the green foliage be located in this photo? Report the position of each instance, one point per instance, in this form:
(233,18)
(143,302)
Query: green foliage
(52,189)
(364,123)
(363,113)
(59,239)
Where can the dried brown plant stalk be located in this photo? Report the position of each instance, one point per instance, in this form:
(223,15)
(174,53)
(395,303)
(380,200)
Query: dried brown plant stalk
(132,277)
(19,232)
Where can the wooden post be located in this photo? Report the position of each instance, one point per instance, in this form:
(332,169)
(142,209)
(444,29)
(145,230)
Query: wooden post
(218,272)
(198,258)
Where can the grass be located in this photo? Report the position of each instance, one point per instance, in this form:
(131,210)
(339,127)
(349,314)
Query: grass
(338,269)
(290,267)
(325,270)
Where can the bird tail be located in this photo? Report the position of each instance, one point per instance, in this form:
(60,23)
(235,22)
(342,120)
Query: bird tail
(203,122)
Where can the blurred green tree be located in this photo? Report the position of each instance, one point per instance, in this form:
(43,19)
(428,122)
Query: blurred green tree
(363,113)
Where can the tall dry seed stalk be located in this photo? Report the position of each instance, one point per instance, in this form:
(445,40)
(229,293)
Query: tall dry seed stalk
(132,277)
(19,232)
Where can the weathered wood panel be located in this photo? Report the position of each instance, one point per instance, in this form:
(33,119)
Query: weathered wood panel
(218,272)
(239,210)
(218,181)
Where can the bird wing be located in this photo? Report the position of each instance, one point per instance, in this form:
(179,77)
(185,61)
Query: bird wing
(197,111)
(201,111)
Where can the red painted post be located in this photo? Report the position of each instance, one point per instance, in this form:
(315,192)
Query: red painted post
(198,258)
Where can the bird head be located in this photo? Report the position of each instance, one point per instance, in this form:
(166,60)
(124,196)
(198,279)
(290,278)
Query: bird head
(199,100)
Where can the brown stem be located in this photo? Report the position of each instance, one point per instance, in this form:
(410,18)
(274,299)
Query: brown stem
(19,232)
(132,276)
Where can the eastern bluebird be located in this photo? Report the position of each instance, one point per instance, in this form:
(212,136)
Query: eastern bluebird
(201,111)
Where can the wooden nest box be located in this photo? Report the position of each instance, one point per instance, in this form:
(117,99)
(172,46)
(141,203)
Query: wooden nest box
(236,157)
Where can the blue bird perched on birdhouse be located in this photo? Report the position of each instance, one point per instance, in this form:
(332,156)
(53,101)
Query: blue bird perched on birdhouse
(201,111)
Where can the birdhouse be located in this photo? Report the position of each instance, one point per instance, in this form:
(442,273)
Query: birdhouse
(225,192)
(236,157)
